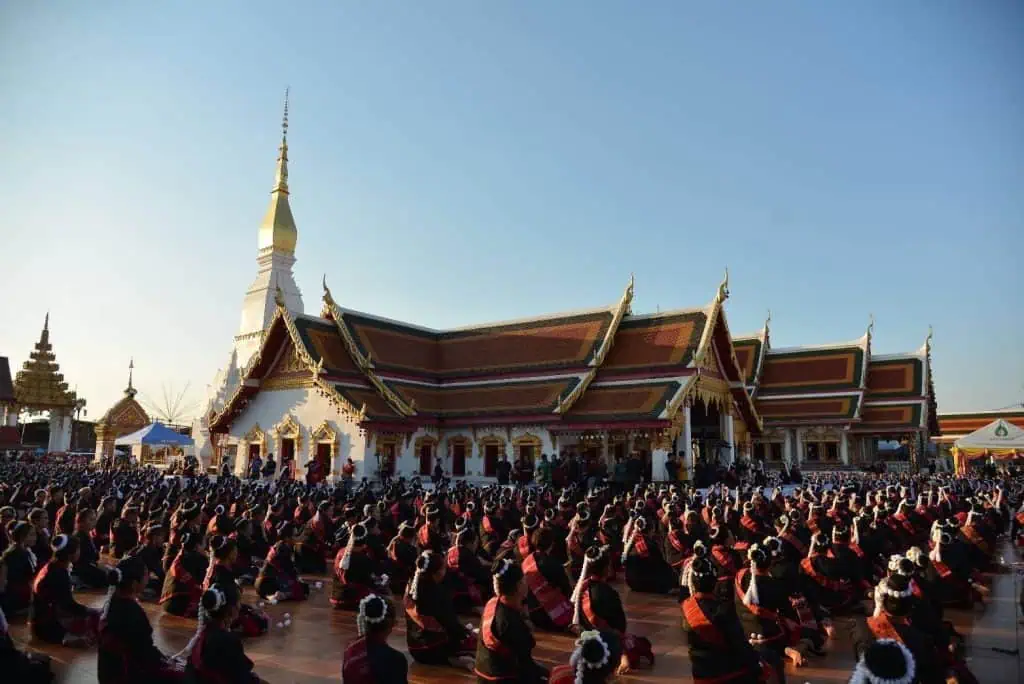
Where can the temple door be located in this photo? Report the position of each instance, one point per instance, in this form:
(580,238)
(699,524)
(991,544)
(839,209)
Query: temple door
(458,459)
(323,455)
(254,452)
(490,460)
(287,453)
(425,461)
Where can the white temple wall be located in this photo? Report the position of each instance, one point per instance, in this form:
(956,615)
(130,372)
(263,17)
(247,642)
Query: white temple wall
(308,409)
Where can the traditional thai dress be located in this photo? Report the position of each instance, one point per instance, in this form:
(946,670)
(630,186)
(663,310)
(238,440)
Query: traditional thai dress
(251,621)
(124,537)
(218,657)
(86,569)
(929,662)
(601,609)
(678,547)
(126,651)
(829,583)
(401,563)
(21,571)
(350,586)
(151,556)
(466,579)
(505,648)
(549,592)
(719,650)
(369,660)
(18,666)
(55,613)
(434,632)
(312,548)
(492,533)
(646,569)
(430,539)
(782,618)
(182,584)
(280,575)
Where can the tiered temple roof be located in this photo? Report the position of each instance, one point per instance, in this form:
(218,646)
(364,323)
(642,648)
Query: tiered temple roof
(574,371)
(603,368)
(40,385)
(957,425)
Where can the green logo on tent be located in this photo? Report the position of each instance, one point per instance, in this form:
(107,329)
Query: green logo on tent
(1001,430)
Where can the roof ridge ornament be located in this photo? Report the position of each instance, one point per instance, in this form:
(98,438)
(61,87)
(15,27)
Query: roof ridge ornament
(327,291)
(723,289)
(130,390)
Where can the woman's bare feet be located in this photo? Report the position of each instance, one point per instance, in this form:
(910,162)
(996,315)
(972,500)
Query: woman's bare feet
(623,665)
(796,656)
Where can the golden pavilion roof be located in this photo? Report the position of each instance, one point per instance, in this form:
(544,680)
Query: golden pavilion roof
(39,384)
(127,414)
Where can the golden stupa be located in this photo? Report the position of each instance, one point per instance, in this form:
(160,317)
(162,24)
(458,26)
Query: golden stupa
(278,232)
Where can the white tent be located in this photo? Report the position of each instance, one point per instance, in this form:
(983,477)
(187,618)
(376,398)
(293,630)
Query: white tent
(998,439)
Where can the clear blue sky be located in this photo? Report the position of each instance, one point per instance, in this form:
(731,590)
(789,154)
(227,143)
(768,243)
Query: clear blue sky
(461,161)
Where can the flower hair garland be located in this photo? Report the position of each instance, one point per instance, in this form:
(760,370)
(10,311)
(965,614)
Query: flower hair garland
(363,620)
(581,664)
(862,675)
(499,573)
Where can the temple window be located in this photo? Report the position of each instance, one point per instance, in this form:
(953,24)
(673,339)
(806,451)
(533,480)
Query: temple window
(527,449)
(458,447)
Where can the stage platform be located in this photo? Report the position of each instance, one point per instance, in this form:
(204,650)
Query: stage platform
(310,650)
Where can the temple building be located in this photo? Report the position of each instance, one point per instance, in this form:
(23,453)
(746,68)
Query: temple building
(954,426)
(123,418)
(39,387)
(601,383)
(9,437)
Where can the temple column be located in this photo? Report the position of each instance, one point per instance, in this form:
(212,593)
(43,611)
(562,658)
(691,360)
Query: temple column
(844,449)
(787,447)
(799,446)
(730,437)
(688,456)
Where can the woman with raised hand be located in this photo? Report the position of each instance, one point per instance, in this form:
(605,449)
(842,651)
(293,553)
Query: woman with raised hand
(126,650)
(369,659)
(505,649)
(593,660)
(434,634)
(215,654)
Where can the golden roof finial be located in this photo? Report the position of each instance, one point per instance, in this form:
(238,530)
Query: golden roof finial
(768,320)
(46,322)
(130,391)
(281,181)
(723,289)
(871,324)
(278,231)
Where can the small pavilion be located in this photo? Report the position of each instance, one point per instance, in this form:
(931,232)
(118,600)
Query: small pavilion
(40,387)
(123,418)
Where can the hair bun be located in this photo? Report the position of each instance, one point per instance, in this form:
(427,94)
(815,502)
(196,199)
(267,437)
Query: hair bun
(700,550)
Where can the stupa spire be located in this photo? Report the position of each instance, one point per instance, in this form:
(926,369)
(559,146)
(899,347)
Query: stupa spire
(130,390)
(278,231)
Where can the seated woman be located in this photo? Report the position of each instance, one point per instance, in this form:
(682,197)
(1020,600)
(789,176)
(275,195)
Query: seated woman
(279,578)
(215,655)
(24,668)
(827,580)
(355,573)
(20,565)
(251,621)
(56,617)
(767,607)
(505,649)
(596,605)
(87,570)
(593,660)
(434,634)
(182,586)
(646,569)
(548,586)
(466,574)
(314,541)
(151,554)
(719,650)
(891,621)
(401,557)
(958,582)
(886,660)
(369,659)
(126,650)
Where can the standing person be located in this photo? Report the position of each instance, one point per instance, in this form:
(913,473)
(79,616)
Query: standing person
(254,467)
(126,650)
(269,468)
(348,472)
(544,471)
(369,659)
(438,475)
(504,470)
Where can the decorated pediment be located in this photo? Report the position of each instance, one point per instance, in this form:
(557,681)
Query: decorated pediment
(288,427)
(325,433)
(255,434)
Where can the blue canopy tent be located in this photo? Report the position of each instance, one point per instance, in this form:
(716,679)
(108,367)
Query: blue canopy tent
(155,435)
